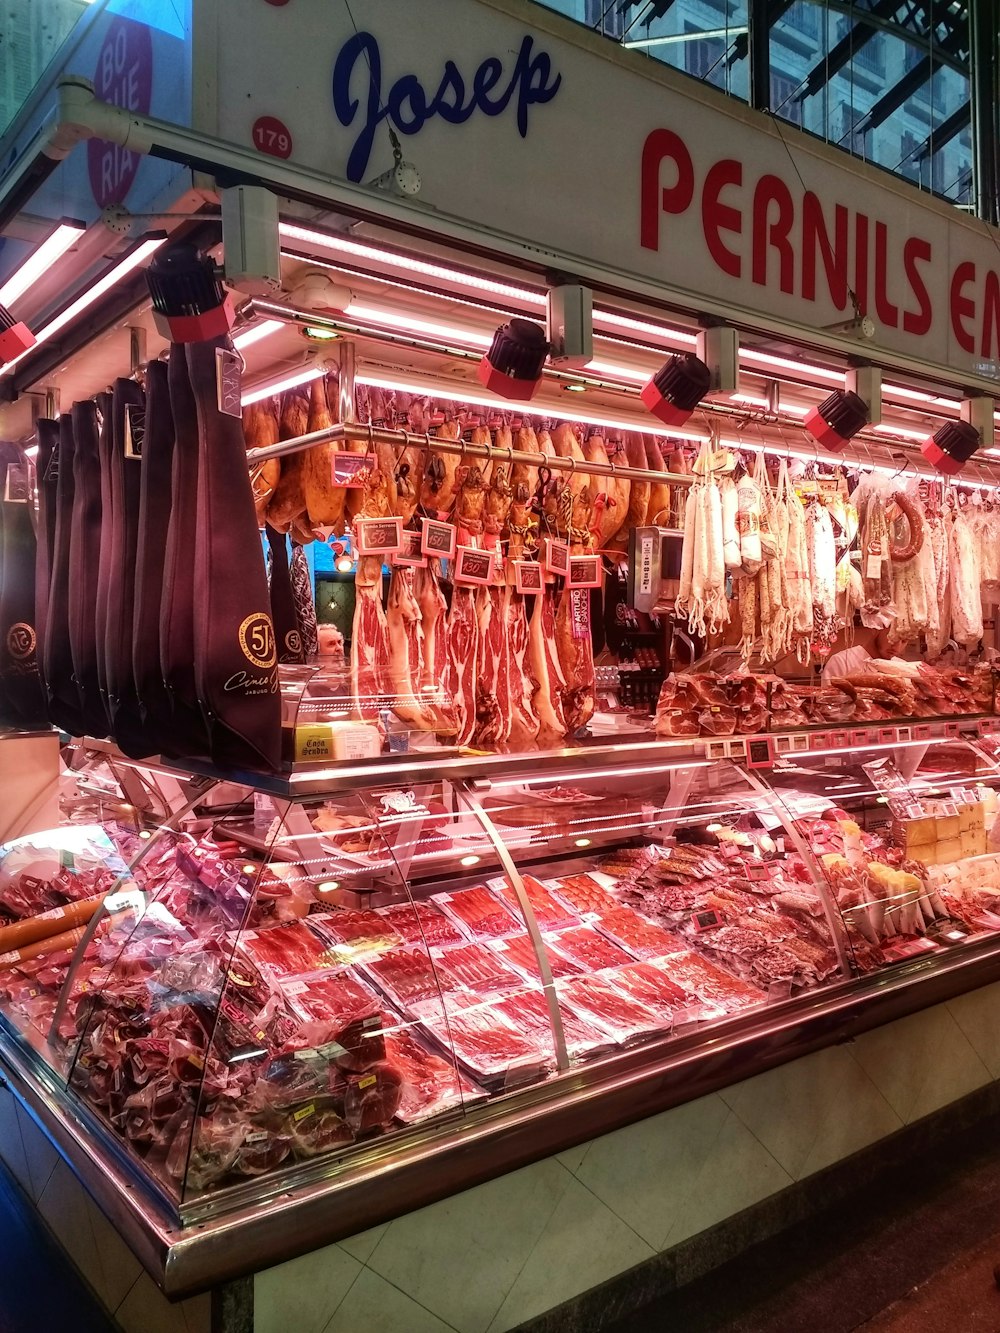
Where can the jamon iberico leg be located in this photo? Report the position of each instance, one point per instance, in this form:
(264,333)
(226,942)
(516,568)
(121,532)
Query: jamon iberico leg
(84,563)
(62,695)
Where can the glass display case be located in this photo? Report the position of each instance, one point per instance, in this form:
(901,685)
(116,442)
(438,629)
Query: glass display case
(247,993)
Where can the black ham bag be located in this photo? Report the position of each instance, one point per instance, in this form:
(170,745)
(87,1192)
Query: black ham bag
(151,544)
(235,654)
(105,539)
(188,735)
(127,428)
(46,463)
(283,616)
(62,695)
(85,562)
(21,702)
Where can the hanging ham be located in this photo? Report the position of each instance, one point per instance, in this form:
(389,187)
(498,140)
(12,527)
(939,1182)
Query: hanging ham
(20,685)
(62,696)
(88,563)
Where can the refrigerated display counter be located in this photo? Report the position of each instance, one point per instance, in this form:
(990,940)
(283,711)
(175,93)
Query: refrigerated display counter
(261,1016)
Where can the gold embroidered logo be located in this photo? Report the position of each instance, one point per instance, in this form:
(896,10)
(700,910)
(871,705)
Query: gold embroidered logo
(257,640)
(21,641)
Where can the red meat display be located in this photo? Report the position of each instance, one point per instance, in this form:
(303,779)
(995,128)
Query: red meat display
(407,975)
(422,923)
(479,912)
(519,952)
(475,966)
(589,950)
(584,894)
(621,1016)
(549,912)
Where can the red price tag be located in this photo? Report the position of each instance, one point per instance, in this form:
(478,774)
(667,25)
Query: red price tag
(271,136)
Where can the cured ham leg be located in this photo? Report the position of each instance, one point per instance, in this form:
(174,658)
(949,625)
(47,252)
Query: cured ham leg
(520,720)
(492,684)
(543,657)
(432,681)
(369,641)
(575,651)
(405,634)
(463,655)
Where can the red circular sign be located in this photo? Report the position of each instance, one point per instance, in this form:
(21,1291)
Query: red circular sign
(124,77)
(272,136)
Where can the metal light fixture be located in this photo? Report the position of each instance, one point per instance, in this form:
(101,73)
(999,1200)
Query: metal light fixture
(15,337)
(837,419)
(677,388)
(190,304)
(951,446)
(513,365)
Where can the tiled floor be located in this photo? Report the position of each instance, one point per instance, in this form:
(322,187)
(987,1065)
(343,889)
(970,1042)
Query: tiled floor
(38,1288)
(914,1254)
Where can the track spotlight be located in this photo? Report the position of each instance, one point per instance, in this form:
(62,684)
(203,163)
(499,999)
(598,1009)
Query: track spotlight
(837,419)
(190,303)
(951,446)
(677,388)
(15,336)
(513,365)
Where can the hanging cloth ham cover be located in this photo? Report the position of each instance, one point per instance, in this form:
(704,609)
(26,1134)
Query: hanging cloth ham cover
(104,545)
(46,463)
(151,543)
(85,552)
(235,656)
(125,467)
(62,695)
(286,623)
(188,735)
(21,700)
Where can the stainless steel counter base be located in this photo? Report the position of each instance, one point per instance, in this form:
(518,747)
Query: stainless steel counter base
(228,1236)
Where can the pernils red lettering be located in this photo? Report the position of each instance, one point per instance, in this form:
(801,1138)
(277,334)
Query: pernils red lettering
(917,251)
(962,307)
(662,146)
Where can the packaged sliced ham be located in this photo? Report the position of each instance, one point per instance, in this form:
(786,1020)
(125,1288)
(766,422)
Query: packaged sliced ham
(549,912)
(584,894)
(422,923)
(710,982)
(340,1010)
(588,949)
(431,1085)
(621,1016)
(476,966)
(287,950)
(529,1012)
(355,934)
(517,951)
(482,914)
(407,975)
(639,936)
(651,986)
(486,1042)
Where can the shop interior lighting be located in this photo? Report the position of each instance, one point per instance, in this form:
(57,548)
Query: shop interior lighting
(15,336)
(430,328)
(918,396)
(512,366)
(801,368)
(190,304)
(114,275)
(279,386)
(40,261)
(256,333)
(677,388)
(837,419)
(951,446)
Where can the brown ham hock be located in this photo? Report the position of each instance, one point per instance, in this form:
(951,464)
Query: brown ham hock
(61,694)
(87,563)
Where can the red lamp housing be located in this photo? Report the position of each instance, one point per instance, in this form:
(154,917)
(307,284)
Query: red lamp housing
(15,336)
(677,388)
(513,365)
(951,446)
(190,304)
(837,419)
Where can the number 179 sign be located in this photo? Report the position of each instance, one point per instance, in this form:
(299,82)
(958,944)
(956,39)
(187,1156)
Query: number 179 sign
(271,136)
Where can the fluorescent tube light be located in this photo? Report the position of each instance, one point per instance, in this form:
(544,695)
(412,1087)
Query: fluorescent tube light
(40,261)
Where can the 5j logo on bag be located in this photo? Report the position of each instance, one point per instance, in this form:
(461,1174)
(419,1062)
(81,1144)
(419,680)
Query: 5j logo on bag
(408,105)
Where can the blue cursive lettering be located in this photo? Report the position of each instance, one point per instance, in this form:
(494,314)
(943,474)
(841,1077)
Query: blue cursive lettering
(408,106)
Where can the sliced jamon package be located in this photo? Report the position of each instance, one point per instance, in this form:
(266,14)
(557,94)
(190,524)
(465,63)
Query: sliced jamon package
(518,951)
(352,934)
(235,656)
(125,462)
(710,982)
(20,685)
(62,695)
(476,967)
(584,894)
(529,1012)
(550,913)
(151,544)
(479,912)
(431,1085)
(407,975)
(618,1014)
(588,949)
(423,923)
(84,564)
(188,734)
(486,1042)
(633,932)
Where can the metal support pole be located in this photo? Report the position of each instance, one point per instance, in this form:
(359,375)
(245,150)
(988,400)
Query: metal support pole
(984,88)
(759,50)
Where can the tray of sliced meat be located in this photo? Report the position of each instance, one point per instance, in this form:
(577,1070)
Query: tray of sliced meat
(588,949)
(518,951)
(486,1042)
(476,967)
(355,934)
(621,1016)
(529,1012)
(584,894)
(550,913)
(431,1085)
(406,974)
(480,912)
(710,982)
(423,923)
(640,937)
